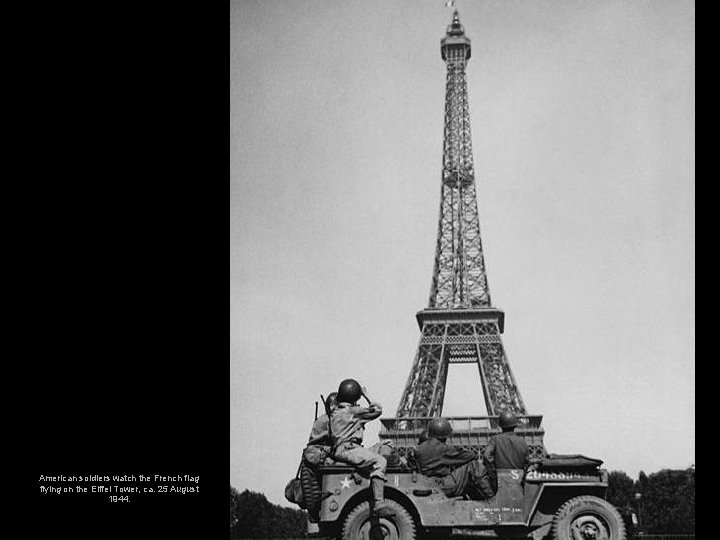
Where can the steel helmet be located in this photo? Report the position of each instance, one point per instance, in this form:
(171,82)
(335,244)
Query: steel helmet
(349,391)
(331,401)
(439,428)
(507,420)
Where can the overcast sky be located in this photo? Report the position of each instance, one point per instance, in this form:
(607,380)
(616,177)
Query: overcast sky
(582,116)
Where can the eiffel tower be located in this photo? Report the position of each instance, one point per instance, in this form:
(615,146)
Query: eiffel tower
(460,324)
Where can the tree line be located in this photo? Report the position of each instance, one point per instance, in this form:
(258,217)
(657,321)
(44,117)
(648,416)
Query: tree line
(253,516)
(662,502)
(659,503)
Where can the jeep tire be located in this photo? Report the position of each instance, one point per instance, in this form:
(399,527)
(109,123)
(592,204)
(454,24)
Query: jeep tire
(312,493)
(359,524)
(588,518)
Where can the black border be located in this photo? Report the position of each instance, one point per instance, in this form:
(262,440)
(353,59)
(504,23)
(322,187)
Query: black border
(120,264)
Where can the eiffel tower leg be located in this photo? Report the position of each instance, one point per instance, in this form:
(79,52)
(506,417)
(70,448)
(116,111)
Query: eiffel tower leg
(420,396)
(436,404)
(502,391)
(483,377)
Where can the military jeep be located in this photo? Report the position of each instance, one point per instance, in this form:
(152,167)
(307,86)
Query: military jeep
(561,499)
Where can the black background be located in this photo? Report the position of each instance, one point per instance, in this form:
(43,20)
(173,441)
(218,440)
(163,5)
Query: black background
(116,240)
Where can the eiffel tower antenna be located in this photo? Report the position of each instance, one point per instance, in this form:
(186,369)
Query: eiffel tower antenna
(460,324)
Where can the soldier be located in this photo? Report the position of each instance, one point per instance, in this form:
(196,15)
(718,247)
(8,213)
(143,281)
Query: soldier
(319,446)
(423,436)
(458,471)
(347,424)
(507,450)
(411,460)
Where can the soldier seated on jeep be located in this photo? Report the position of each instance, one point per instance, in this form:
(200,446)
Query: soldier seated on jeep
(457,472)
(319,446)
(507,450)
(347,425)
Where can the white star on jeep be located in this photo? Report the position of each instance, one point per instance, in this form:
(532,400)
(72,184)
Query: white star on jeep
(345,483)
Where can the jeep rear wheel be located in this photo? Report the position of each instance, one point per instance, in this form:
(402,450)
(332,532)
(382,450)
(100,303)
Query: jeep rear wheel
(359,524)
(588,518)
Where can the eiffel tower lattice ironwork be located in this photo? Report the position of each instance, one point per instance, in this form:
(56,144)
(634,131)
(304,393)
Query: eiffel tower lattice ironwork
(460,325)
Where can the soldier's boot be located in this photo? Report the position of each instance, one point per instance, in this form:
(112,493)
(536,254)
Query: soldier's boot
(380,507)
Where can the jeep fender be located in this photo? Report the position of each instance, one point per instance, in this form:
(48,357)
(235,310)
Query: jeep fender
(551,496)
(365,494)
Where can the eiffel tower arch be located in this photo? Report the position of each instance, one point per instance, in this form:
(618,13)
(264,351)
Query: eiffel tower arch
(460,324)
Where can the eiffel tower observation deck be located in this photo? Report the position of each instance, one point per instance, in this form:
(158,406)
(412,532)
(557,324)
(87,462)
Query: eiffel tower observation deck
(460,324)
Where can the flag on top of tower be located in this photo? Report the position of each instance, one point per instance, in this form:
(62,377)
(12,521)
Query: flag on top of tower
(450,3)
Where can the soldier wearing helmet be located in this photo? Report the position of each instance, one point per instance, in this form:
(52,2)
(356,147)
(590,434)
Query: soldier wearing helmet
(507,450)
(347,425)
(411,455)
(319,446)
(459,472)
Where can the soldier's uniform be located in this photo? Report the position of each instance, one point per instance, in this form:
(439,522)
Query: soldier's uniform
(319,446)
(319,433)
(457,471)
(508,450)
(348,426)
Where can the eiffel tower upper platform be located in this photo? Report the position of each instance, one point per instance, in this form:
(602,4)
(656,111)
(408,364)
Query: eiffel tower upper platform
(460,325)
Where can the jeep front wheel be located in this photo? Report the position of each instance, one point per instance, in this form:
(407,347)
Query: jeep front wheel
(588,518)
(359,524)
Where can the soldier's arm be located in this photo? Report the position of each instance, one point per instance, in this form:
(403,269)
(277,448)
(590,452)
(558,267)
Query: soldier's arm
(489,453)
(373,410)
(456,456)
(369,413)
